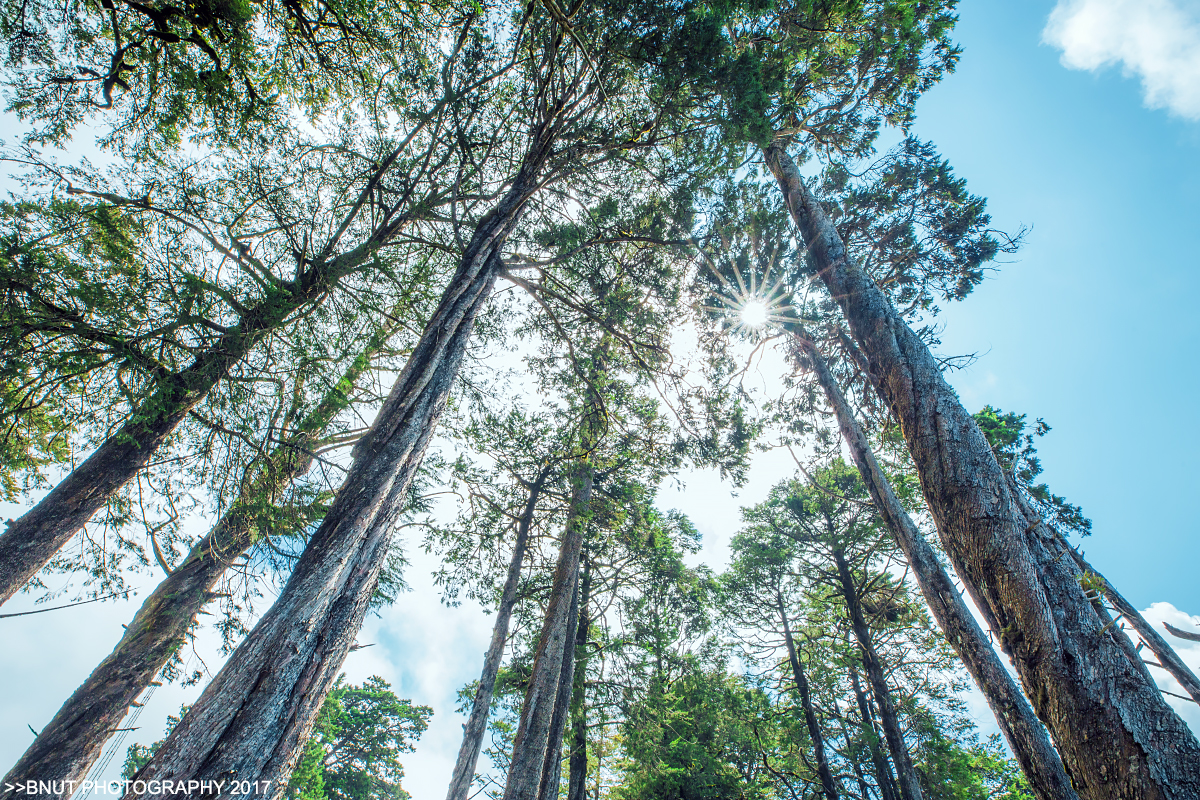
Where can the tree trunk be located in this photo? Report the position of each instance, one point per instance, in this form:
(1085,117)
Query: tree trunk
(533,749)
(551,779)
(863,790)
(33,539)
(906,773)
(252,720)
(538,741)
(828,784)
(1116,734)
(1167,657)
(68,746)
(473,731)
(577,778)
(883,769)
(1021,727)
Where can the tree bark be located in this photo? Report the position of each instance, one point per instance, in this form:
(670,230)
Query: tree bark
(863,790)
(532,747)
(1117,736)
(33,539)
(578,762)
(253,718)
(883,768)
(538,741)
(551,779)
(473,731)
(1024,732)
(906,774)
(67,747)
(1168,659)
(828,784)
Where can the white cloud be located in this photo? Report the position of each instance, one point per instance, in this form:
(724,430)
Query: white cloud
(1156,40)
(1189,653)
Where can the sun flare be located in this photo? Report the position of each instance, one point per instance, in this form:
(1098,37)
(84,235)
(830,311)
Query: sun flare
(755,313)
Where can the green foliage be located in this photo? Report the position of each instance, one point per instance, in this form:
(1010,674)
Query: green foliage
(354,752)
(35,434)
(138,755)
(215,69)
(963,767)
(913,226)
(1011,440)
(695,739)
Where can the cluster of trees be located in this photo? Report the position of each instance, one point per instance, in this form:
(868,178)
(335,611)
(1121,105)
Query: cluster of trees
(318,224)
(353,751)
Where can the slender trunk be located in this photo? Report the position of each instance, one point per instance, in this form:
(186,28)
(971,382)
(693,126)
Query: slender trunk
(883,769)
(858,774)
(1020,725)
(828,785)
(532,747)
(551,778)
(72,741)
(1116,734)
(252,720)
(473,731)
(33,539)
(906,773)
(538,739)
(577,778)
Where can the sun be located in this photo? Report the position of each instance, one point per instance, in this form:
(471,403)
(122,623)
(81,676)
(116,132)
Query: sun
(754,313)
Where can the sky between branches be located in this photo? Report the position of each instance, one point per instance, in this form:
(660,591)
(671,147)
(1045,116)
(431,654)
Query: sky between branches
(1080,118)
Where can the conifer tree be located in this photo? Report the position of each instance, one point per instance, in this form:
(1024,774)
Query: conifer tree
(290,224)
(66,748)
(248,724)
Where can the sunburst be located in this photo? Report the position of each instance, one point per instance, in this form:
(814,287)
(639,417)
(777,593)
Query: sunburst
(752,305)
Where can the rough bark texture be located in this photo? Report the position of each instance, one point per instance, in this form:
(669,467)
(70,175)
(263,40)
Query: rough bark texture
(906,774)
(883,768)
(1167,657)
(253,718)
(532,749)
(31,541)
(536,763)
(828,784)
(1117,736)
(551,779)
(67,747)
(476,727)
(578,761)
(1024,732)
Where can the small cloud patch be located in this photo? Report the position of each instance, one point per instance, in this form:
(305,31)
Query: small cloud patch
(1156,40)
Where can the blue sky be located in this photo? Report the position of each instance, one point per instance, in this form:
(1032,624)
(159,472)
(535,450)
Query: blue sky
(1091,326)
(1094,325)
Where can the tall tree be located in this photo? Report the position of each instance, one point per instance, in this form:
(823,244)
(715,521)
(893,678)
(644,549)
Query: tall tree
(473,731)
(1021,728)
(838,538)
(754,588)
(251,717)
(292,229)
(1117,736)
(66,748)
